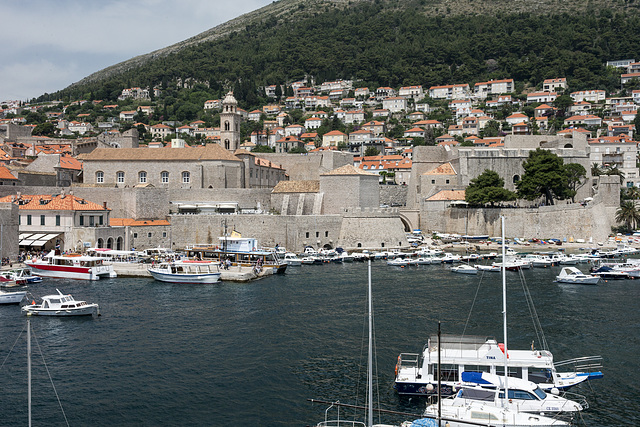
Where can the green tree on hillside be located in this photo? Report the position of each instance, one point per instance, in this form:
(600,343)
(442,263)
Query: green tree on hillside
(488,187)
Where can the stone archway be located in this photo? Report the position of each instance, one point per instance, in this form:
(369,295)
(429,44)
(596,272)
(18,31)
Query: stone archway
(100,243)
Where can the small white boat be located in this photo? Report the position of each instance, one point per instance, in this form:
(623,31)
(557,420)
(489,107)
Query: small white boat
(12,297)
(423,261)
(575,276)
(398,262)
(492,268)
(292,259)
(61,305)
(186,272)
(464,269)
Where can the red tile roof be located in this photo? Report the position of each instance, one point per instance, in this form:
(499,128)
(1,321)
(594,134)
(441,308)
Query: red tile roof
(53,203)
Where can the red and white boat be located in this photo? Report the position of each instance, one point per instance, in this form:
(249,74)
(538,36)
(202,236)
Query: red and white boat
(73,266)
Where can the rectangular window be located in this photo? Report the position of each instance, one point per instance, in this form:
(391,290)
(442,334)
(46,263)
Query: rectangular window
(100,221)
(326,234)
(81,220)
(164,234)
(91,223)
(148,234)
(58,220)
(41,219)
(20,220)
(307,234)
(28,219)
(317,234)
(135,235)
(433,181)
(120,177)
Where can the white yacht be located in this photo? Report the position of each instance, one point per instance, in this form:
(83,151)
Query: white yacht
(60,305)
(292,259)
(574,276)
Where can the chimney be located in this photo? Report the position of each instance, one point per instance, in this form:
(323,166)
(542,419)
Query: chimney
(104,205)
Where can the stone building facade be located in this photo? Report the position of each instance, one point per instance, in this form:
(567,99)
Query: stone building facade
(206,166)
(348,187)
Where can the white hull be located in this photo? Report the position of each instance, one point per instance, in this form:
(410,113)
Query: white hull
(12,297)
(87,310)
(71,272)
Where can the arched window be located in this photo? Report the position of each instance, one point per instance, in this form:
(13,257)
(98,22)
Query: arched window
(186,177)
(142,177)
(164,177)
(100,243)
(119,244)
(516,178)
(227,144)
(120,177)
(99,177)
(110,243)
(568,146)
(227,126)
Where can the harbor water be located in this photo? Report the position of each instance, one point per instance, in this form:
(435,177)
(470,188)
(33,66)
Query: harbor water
(251,354)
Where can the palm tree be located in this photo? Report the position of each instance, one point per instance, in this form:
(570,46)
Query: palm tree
(628,214)
(613,170)
(596,170)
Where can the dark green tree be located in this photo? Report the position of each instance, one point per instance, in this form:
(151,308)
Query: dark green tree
(544,176)
(262,149)
(44,129)
(371,151)
(576,174)
(488,187)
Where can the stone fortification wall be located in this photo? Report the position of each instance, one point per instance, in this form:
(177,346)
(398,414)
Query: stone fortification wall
(296,203)
(308,167)
(424,160)
(357,231)
(6,190)
(9,231)
(577,140)
(393,195)
(349,191)
(572,221)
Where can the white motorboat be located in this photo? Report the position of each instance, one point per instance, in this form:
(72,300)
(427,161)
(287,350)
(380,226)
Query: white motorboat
(74,266)
(538,260)
(186,272)
(464,269)
(61,305)
(12,297)
(292,259)
(492,268)
(524,396)
(575,276)
(398,262)
(423,261)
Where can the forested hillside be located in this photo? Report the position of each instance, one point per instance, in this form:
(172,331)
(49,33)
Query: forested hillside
(395,43)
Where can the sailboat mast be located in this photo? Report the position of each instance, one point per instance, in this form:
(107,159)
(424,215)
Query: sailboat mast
(370,359)
(504,311)
(29,367)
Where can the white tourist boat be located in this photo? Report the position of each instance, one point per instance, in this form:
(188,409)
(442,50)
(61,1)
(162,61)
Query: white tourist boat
(575,276)
(61,305)
(464,269)
(12,297)
(491,268)
(186,272)
(417,374)
(292,259)
(73,266)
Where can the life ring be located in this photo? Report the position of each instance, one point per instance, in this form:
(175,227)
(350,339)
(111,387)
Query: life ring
(82,263)
(253,249)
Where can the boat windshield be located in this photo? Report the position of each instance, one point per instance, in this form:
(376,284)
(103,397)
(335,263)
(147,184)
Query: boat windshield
(541,394)
(477,394)
(518,394)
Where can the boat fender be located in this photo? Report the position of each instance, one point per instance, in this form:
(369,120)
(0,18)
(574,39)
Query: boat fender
(397,364)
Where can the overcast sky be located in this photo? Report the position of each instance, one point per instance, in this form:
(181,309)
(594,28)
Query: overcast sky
(48,44)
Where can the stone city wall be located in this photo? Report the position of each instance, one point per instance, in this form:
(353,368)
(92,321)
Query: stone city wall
(393,195)
(572,221)
(308,167)
(358,231)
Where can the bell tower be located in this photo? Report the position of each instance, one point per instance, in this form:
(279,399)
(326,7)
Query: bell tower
(230,123)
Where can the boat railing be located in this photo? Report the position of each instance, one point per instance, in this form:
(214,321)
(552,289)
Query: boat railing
(408,361)
(578,398)
(581,364)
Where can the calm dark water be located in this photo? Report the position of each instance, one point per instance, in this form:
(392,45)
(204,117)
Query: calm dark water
(253,353)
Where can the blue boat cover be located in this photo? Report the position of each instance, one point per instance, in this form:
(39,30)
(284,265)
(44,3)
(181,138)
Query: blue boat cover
(425,422)
(474,377)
